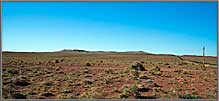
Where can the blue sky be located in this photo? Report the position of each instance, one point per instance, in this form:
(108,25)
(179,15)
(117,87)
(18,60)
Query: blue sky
(157,27)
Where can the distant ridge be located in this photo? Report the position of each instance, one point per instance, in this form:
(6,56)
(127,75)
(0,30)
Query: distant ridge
(108,52)
(73,50)
(85,51)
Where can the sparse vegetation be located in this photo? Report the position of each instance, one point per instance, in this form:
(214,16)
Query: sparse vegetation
(109,71)
(166,64)
(210,95)
(88,64)
(20,81)
(88,82)
(108,80)
(137,66)
(189,96)
(105,76)
(149,81)
(178,70)
(57,61)
(143,76)
(12,72)
(87,95)
(130,91)
(65,96)
(155,71)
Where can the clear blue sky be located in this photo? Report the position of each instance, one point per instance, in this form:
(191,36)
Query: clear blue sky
(156,27)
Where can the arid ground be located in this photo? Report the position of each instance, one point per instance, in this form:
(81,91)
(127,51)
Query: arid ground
(107,75)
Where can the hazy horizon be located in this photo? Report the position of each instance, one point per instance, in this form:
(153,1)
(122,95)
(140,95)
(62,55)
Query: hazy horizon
(108,51)
(180,28)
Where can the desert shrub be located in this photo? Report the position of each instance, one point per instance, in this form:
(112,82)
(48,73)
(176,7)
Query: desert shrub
(156,89)
(12,72)
(137,66)
(155,85)
(149,81)
(57,61)
(87,95)
(166,64)
(178,70)
(88,64)
(65,96)
(8,91)
(142,76)
(183,63)
(206,78)
(66,91)
(19,96)
(86,71)
(203,68)
(189,96)
(160,62)
(21,81)
(62,60)
(130,91)
(187,73)
(88,82)
(109,71)
(209,95)
(173,93)
(47,94)
(46,83)
(107,80)
(31,93)
(155,68)
(155,71)
(88,76)
(134,74)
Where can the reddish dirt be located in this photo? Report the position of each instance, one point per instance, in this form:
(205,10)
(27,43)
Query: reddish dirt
(66,75)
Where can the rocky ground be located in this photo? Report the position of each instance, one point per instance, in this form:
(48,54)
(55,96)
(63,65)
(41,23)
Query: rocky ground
(60,75)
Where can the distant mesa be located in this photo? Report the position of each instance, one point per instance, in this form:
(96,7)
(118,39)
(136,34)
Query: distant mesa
(136,52)
(109,52)
(85,51)
(73,50)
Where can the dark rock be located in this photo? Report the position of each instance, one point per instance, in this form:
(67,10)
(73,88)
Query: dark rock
(57,61)
(21,81)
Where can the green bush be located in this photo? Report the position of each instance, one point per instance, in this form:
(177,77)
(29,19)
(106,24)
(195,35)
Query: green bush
(137,66)
(189,96)
(107,80)
(142,76)
(130,91)
(88,95)
(12,72)
(155,71)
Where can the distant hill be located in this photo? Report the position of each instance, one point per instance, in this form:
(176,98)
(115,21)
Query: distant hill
(111,52)
(73,50)
(85,51)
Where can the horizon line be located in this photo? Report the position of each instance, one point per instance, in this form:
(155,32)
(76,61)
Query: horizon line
(107,51)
